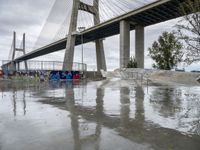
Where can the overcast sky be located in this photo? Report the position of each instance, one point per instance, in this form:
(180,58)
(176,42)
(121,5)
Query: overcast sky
(28,16)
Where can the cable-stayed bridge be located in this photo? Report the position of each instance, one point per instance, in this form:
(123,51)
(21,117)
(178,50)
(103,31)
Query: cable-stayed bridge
(124,18)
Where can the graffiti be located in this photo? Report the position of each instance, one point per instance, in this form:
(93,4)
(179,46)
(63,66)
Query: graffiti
(1,73)
(42,75)
(64,75)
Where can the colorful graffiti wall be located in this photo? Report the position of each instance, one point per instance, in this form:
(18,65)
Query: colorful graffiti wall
(64,75)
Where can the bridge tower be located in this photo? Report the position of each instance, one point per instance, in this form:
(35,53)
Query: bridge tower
(69,53)
(15,49)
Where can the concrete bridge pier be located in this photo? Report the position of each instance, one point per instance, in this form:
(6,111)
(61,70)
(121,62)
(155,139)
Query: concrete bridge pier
(100,55)
(139,46)
(124,43)
(71,39)
(18,66)
(13,67)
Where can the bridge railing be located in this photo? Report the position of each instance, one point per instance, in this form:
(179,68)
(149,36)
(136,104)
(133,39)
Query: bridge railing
(44,65)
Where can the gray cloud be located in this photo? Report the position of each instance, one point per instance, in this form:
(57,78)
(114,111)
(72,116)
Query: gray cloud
(21,16)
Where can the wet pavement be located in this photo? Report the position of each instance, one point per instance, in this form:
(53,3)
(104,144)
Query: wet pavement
(88,116)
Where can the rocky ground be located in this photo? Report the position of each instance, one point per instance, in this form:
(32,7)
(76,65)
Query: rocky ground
(155,77)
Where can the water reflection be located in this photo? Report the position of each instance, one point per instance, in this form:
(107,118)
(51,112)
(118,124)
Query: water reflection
(139,103)
(24,102)
(14,103)
(99,114)
(160,114)
(15,100)
(93,138)
(125,106)
(137,128)
(100,102)
(167,101)
(175,107)
(70,103)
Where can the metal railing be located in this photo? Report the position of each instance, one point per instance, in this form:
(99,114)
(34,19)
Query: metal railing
(43,65)
(135,75)
(139,77)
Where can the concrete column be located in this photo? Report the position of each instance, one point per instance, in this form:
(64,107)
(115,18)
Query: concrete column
(100,55)
(14,45)
(69,53)
(24,47)
(124,43)
(18,66)
(139,46)
(13,67)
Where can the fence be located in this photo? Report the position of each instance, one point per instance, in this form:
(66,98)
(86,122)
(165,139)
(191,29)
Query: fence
(45,65)
(134,75)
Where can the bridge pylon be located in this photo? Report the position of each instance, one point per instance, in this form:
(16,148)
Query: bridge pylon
(15,49)
(71,38)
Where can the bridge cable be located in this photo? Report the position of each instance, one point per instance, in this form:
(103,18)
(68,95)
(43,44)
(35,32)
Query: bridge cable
(113,9)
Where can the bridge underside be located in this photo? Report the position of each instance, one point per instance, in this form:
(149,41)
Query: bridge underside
(153,13)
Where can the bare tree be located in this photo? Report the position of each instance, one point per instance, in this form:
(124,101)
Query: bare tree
(189,29)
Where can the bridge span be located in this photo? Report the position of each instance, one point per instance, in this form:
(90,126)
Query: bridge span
(153,13)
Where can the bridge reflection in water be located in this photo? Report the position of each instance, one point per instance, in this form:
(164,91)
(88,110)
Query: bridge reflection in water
(98,117)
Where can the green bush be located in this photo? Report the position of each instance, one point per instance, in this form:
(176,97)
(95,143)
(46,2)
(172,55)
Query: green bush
(132,63)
